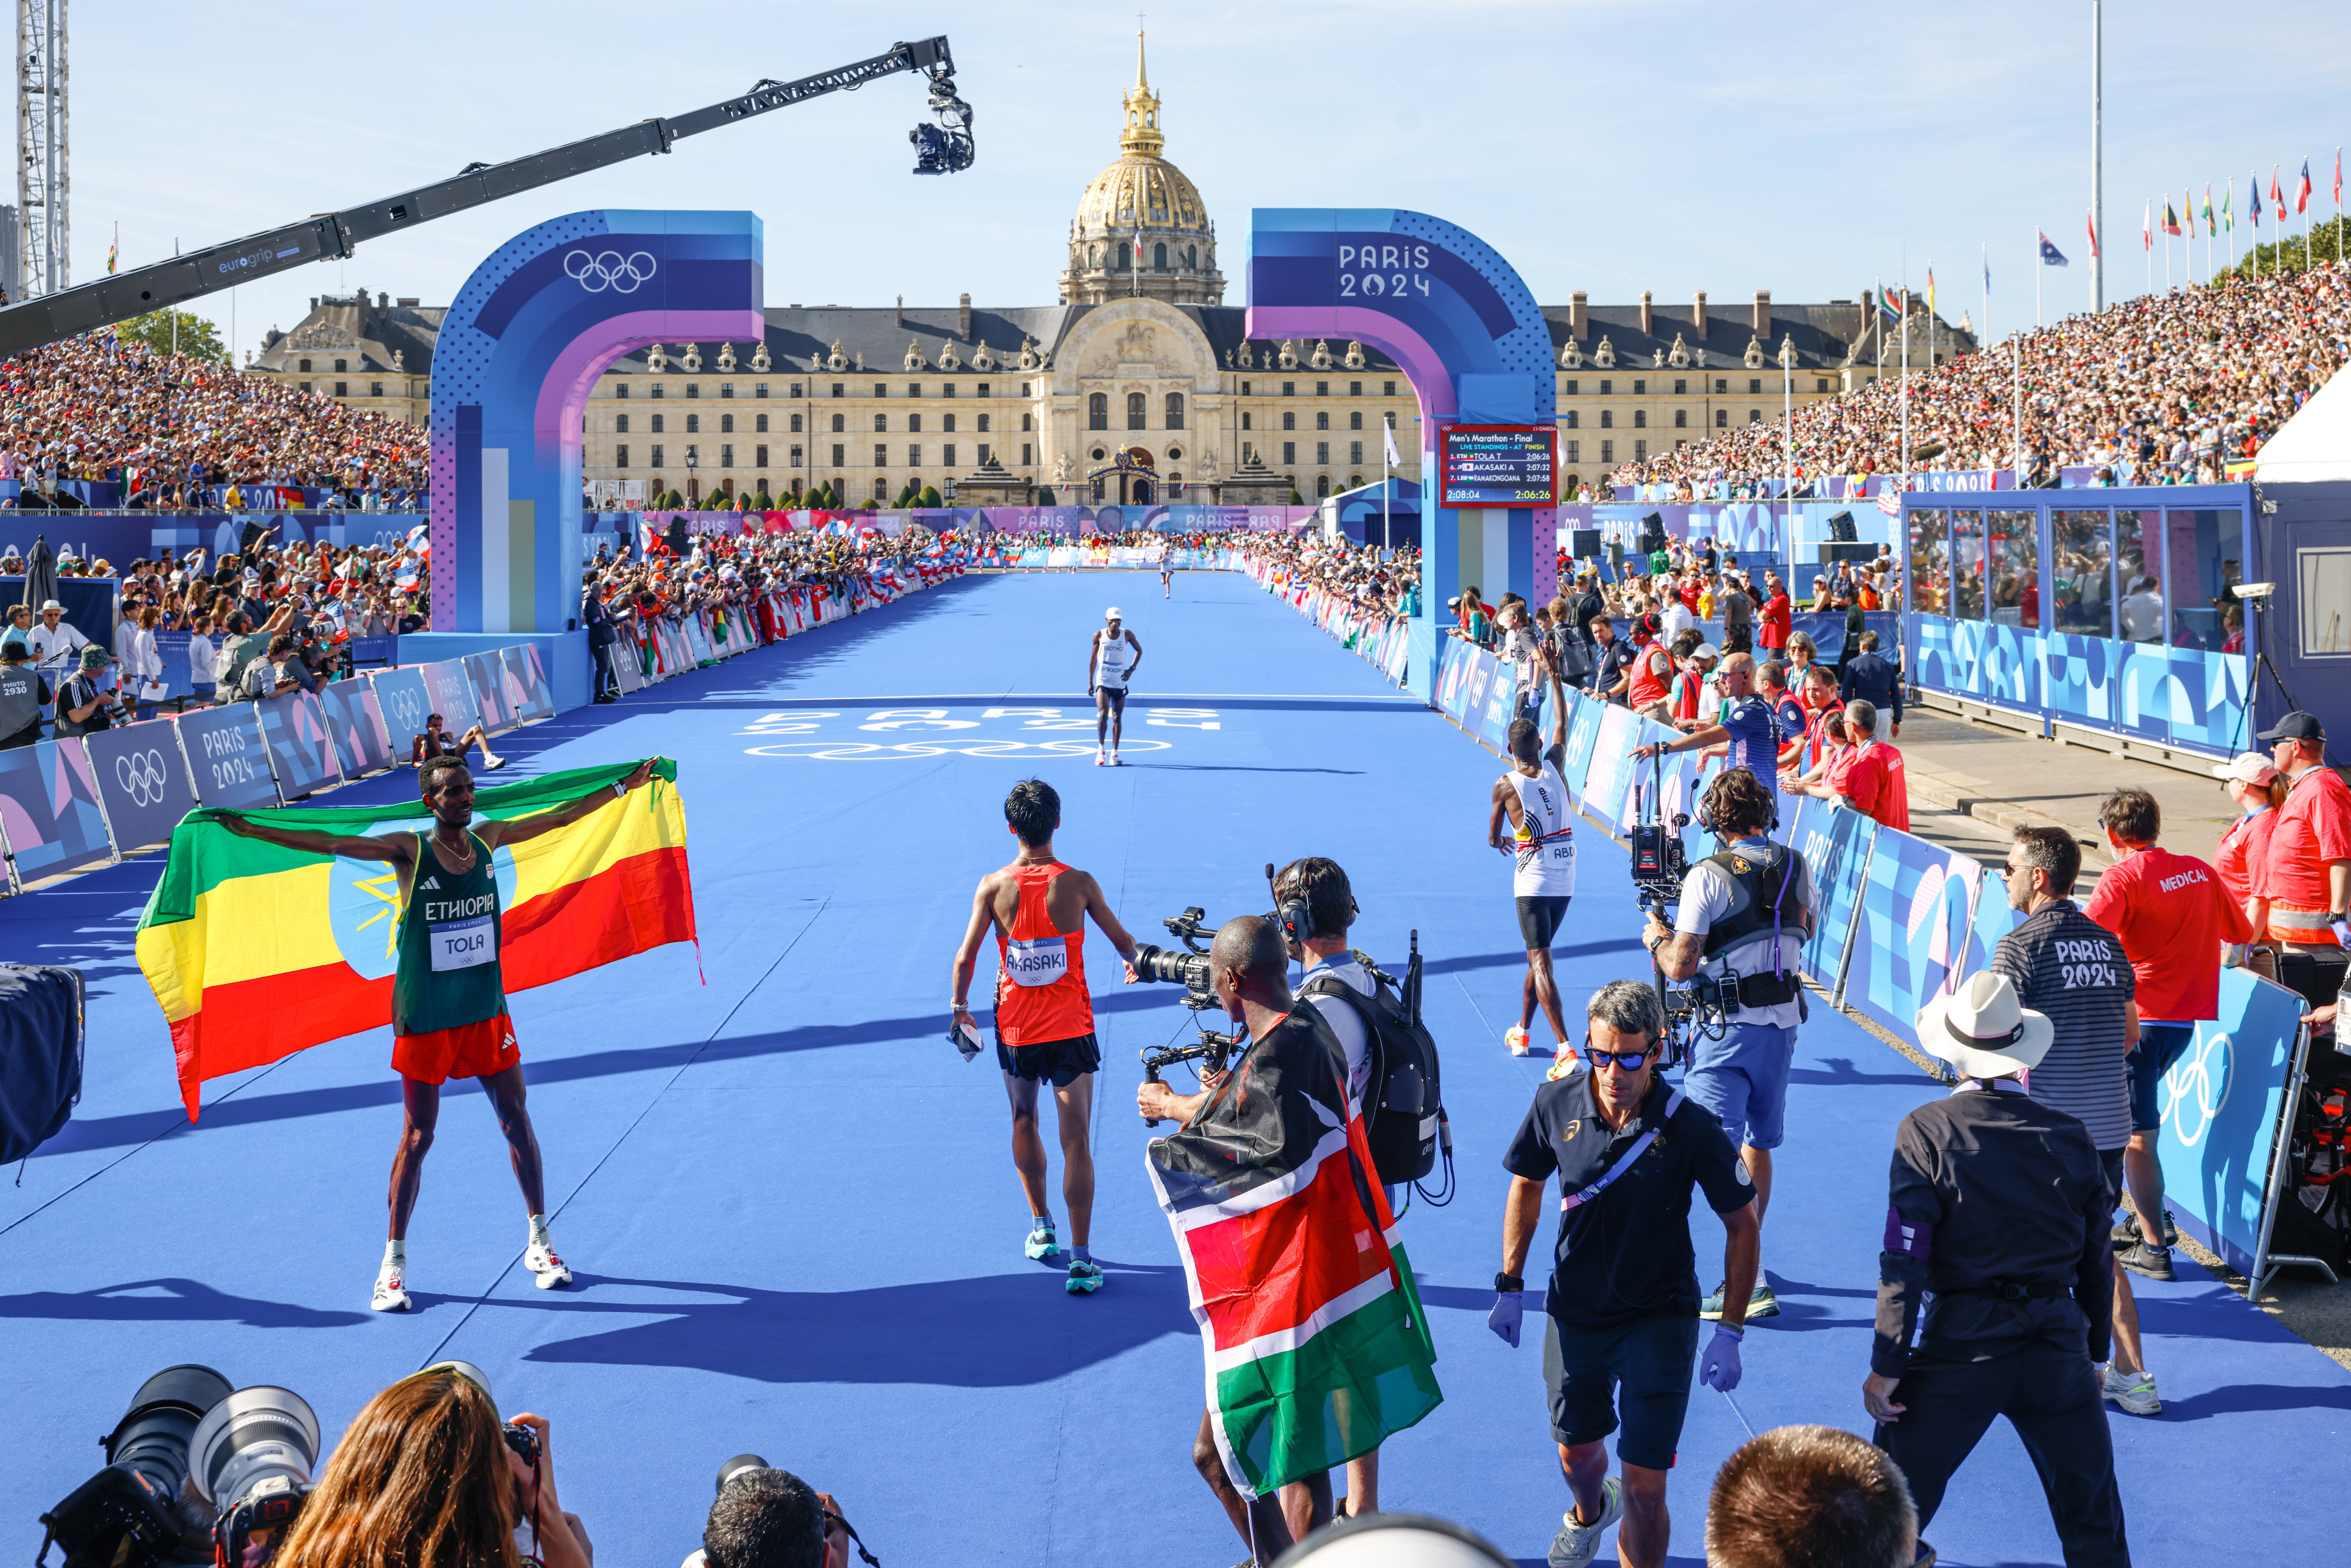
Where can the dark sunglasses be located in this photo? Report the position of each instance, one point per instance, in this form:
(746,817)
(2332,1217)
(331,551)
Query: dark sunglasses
(1625,1060)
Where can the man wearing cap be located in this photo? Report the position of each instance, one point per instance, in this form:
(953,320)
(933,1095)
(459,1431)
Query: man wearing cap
(1996,1227)
(2305,881)
(55,644)
(2173,917)
(84,706)
(22,694)
(2257,788)
(1110,663)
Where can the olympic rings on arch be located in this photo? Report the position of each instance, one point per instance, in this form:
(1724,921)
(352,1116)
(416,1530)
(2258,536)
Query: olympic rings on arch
(609,269)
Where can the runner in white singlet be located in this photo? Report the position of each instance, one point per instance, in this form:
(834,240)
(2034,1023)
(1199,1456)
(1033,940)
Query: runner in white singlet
(1532,800)
(1111,664)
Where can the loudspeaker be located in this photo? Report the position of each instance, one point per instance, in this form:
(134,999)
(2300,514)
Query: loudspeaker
(1841,527)
(1847,552)
(1653,533)
(1582,543)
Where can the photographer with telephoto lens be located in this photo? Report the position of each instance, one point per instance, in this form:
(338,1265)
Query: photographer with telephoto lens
(768,1517)
(1743,916)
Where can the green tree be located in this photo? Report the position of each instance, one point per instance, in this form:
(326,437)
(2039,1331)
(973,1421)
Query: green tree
(1295,498)
(199,339)
(2286,256)
(930,499)
(907,497)
(763,502)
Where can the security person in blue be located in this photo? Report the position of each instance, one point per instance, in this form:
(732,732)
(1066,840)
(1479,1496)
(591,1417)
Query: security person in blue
(1740,928)
(1620,1317)
(1996,1257)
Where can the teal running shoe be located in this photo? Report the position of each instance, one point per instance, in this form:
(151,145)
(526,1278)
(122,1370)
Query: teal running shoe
(1084,1280)
(1042,1244)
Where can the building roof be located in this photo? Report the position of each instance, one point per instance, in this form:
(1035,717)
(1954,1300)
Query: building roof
(1826,337)
(367,331)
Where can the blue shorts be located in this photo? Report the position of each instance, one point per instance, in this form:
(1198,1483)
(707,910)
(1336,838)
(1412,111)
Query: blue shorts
(1742,1078)
(2159,1045)
(1642,1369)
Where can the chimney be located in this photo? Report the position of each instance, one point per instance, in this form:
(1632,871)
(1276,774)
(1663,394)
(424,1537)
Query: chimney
(1579,324)
(382,300)
(1763,313)
(1649,319)
(963,316)
(902,311)
(1697,314)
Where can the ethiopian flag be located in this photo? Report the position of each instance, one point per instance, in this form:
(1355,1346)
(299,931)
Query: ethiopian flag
(255,952)
(1317,1348)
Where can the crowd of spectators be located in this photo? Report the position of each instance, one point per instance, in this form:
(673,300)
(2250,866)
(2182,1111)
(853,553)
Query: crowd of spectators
(184,432)
(2165,389)
(1378,583)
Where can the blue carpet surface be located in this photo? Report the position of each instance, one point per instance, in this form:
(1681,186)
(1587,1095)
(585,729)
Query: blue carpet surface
(790,1204)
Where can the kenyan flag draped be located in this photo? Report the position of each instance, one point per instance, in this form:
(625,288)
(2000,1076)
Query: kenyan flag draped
(255,952)
(1316,1344)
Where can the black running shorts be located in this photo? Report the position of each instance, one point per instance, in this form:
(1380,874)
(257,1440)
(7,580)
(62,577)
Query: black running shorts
(1059,1061)
(1109,699)
(1540,917)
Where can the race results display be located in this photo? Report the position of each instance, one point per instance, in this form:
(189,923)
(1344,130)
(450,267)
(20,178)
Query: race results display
(1499,465)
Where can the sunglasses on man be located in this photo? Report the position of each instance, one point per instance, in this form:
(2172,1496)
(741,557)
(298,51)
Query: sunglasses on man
(1623,1061)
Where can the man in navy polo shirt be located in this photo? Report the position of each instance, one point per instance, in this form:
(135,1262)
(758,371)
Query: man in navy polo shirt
(1621,1313)
(1749,723)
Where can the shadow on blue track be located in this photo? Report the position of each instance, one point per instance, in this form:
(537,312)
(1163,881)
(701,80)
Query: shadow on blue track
(187,1301)
(980,1332)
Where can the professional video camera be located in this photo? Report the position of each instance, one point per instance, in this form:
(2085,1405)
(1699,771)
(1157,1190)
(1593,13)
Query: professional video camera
(1660,865)
(1188,969)
(947,147)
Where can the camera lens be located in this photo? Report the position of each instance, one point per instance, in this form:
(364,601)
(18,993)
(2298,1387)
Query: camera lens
(254,1434)
(738,1465)
(152,1437)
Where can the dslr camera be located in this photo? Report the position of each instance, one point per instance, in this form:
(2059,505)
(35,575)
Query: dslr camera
(1189,970)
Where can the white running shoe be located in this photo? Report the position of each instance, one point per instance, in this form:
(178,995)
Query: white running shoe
(1516,1038)
(390,1293)
(1576,1546)
(1116,761)
(2134,1391)
(1102,758)
(552,1273)
(491,764)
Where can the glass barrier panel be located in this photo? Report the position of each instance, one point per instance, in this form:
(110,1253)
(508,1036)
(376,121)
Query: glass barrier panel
(2138,572)
(2013,540)
(2202,550)
(2081,574)
(1929,556)
(1967,566)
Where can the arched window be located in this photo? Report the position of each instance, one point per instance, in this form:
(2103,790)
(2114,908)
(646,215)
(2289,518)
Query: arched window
(1134,411)
(726,424)
(1322,487)
(1098,412)
(1175,411)
(1570,419)
(1640,419)
(1681,419)
(1093,255)
(1722,419)
(657,425)
(1125,258)
(1191,256)
(693,424)
(838,425)
(1158,264)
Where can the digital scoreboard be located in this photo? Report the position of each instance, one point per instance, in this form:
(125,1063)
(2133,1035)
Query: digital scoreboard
(1499,465)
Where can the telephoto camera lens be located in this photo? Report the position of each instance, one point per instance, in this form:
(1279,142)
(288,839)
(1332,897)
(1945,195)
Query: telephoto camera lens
(738,1465)
(128,1514)
(253,1435)
(1166,965)
(1393,1540)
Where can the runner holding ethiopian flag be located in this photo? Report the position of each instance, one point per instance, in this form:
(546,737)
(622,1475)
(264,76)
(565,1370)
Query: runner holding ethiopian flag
(449,1013)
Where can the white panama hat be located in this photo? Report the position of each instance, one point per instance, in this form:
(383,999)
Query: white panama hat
(1983,1030)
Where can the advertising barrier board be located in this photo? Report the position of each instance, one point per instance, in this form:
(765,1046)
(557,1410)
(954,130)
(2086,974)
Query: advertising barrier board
(301,751)
(228,759)
(50,819)
(143,781)
(1836,843)
(2224,1103)
(1915,908)
(355,719)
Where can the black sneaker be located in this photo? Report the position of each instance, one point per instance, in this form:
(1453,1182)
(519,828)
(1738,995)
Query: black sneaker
(2155,1262)
(2127,1231)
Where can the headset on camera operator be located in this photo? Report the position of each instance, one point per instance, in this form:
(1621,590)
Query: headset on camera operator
(1744,913)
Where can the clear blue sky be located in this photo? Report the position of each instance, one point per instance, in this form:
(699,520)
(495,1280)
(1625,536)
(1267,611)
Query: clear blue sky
(1603,146)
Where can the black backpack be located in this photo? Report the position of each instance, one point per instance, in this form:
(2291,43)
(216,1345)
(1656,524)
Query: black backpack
(1403,1108)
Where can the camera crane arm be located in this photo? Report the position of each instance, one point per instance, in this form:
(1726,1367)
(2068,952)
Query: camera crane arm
(88,306)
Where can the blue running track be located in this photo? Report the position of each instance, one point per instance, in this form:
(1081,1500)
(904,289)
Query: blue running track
(790,1204)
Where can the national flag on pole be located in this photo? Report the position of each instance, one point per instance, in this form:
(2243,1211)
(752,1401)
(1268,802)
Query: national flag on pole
(2050,255)
(2301,195)
(2170,218)
(2228,200)
(2255,210)
(2277,195)
(2338,176)
(2090,220)
(2210,228)
(1316,1343)
(1930,291)
(2146,228)
(1387,440)
(1886,304)
(257,952)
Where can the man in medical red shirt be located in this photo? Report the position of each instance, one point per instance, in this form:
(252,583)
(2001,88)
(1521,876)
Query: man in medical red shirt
(2173,915)
(1869,778)
(2306,879)
(1771,626)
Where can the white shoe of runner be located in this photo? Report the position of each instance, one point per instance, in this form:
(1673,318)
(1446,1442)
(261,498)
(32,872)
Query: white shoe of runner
(1517,1039)
(552,1273)
(390,1293)
(1102,758)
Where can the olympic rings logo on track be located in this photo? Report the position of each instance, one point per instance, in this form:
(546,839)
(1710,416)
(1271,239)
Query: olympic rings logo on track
(609,269)
(866,751)
(2195,1090)
(143,778)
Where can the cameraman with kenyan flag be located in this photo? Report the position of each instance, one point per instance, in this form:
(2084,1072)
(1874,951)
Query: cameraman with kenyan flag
(1316,1343)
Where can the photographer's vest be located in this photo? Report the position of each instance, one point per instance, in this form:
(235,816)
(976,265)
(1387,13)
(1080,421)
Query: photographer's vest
(449,971)
(20,699)
(1765,891)
(1041,987)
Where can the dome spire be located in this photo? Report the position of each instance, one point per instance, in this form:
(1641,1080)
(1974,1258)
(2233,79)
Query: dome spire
(1141,136)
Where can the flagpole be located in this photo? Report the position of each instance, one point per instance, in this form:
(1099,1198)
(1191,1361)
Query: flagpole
(2016,361)
(2302,200)
(2097,160)
(2229,207)
(1905,372)
(2037,265)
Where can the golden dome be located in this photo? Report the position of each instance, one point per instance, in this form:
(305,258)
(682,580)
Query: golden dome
(1141,226)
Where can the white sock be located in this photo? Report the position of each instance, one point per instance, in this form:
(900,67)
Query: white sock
(538,1236)
(395,1258)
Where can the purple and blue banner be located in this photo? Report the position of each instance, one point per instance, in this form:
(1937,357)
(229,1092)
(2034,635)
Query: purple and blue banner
(1915,908)
(1836,844)
(50,819)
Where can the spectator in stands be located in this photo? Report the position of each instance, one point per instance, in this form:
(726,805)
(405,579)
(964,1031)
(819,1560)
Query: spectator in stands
(56,644)
(23,694)
(2306,882)
(2066,965)
(425,1479)
(1868,776)
(2258,789)
(768,1517)
(1811,1497)
(2174,918)
(20,628)
(1872,677)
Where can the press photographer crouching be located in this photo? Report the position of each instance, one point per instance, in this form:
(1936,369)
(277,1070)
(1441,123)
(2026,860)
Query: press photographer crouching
(768,1517)
(1744,913)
